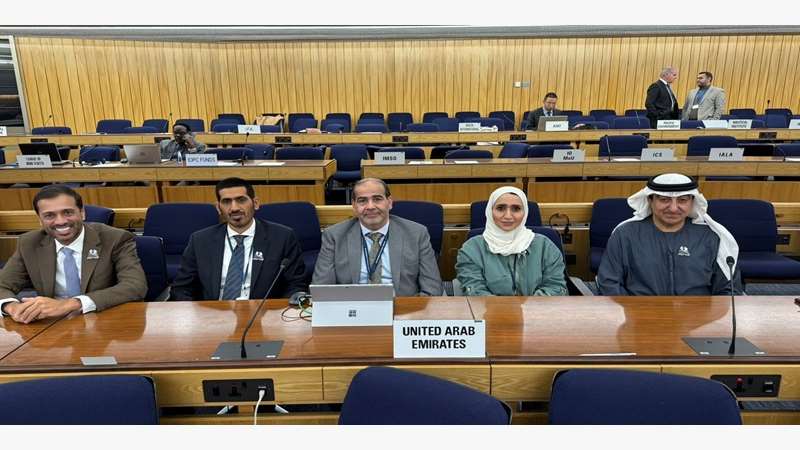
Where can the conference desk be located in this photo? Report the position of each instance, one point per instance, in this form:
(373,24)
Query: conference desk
(528,341)
(460,181)
(284,181)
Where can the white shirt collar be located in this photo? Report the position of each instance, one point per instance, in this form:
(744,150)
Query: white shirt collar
(382,230)
(662,80)
(250,231)
(76,245)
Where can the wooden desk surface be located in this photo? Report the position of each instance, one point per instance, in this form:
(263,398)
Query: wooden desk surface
(183,335)
(13,335)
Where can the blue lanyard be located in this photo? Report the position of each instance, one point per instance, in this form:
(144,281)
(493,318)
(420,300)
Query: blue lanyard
(371,268)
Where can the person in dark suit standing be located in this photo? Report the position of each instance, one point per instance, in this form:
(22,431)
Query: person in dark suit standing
(238,259)
(72,266)
(548,109)
(661,102)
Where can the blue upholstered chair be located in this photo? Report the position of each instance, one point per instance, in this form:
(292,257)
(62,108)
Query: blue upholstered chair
(691,124)
(292,117)
(545,150)
(439,151)
(477,214)
(469,154)
(493,122)
(636,113)
(574,120)
(262,151)
(607,213)
(412,153)
(422,128)
(631,145)
(371,127)
(630,397)
(111,126)
(571,112)
(348,161)
(448,124)
(508,118)
(51,130)
(429,117)
(600,113)
(752,223)
(631,123)
(335,125)
(398,121)
(194,125)
(99,214)
(232,154)
(98,153)
(342,118)
(514,150)
(292,153)
(467,116)
(224,127)
(787,150)
(301,124)
(590,124)
(154,263)
(776,121)
(236,118)
(743,113)
(175,223)
(302,218)
(160,125)
(271,129)
(371,117)
(424,213)
(139,130)
(389,396)
(702,145)
(80,400)
(782,111)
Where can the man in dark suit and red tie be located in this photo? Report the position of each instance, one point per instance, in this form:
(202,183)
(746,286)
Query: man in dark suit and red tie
(661,102)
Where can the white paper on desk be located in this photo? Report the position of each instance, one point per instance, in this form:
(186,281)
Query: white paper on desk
(463,161)
(110,164)
(792,159)
(271,163)
(228,163)
(417,162)
(625,159)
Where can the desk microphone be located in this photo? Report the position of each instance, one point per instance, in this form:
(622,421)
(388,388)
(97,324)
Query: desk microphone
(169,122)
(49,118)
(780,150)
(608,147)
(243,158)
(732,349)
(765,111)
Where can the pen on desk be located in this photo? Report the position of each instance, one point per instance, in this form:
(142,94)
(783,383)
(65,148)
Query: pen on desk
(608,354)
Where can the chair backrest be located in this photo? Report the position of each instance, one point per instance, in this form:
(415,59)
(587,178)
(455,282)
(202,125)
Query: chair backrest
(300,217)
(236,118)
(790,150)
(398,121)
(578,119)
(301,123)
(493,122)
(446,123)
(465,115)
(112,125)
(701,145)
(546,150)
(630,397)
(224,127)
(429,117)
(98,153)
(99,214)
(751,222)
(292,117)
(743,113)
(139,130)
(271,129)
(262,151)
(636,112)
(631,123)
(195,125)
(233,153)
(371,127)
(290,153)
(776,121)
(439,151)
(607,213)
(371,116)
(161,125)
(469,154)
(80,400)
(389,396)
(349,156)
(756,123)
(422,127)
(600,113)
(51,130)
(591,124)
(424,213)
(514,150)
(341,118)
(571,112)
(622,145)
(508,118)
(410,152)
(175,223)
(477,214)
(154,263)
(335,125)
(691,124)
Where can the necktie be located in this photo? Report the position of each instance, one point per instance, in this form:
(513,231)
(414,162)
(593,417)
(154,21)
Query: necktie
(235,276)
(73,287)
(671,97)
(375,237)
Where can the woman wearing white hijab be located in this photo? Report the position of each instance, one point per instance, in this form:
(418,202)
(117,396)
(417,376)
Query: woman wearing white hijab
(508,258)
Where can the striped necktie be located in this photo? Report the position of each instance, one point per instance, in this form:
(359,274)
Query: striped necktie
(235,276)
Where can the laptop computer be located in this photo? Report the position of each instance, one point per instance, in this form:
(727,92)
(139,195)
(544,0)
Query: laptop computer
(544,119)
(345,305)
(143,153)
(57,155)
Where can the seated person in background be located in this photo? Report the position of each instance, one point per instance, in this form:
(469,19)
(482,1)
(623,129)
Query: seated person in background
(508,258)
(72,266)
(238,259)
(670,246)
(378,248)
(548,109)
(183,140)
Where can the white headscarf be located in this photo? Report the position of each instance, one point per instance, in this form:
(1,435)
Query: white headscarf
(507,242)
(699,215)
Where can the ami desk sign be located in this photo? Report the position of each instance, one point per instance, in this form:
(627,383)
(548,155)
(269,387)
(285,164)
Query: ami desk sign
(439,339)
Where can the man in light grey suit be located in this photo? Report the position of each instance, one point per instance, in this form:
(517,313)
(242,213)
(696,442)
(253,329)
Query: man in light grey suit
(376,247)
(705,102)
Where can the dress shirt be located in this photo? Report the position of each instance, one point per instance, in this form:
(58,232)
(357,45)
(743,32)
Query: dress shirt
(671,94)
(230,244)
(386,270)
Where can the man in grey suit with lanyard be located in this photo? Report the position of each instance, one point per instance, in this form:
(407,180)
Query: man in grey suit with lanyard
(378,248)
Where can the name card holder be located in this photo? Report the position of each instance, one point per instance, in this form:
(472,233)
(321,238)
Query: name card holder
(469,127)
(668,125)
(794,124)
(3,131)
(721,124)
(726,154)
(398,158)
(556,126)
(568,155)
(34,162)
(740,124)
(439,338)
(252,129)
(658,154)
(201,159)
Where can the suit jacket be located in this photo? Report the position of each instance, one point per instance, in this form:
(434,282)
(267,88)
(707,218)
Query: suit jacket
(658,104)
(115,276)
(533,118)
(711,107)
(200,274)
(413,263)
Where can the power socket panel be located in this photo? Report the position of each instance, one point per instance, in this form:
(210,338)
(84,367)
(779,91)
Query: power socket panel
(751,385)
(238,390)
